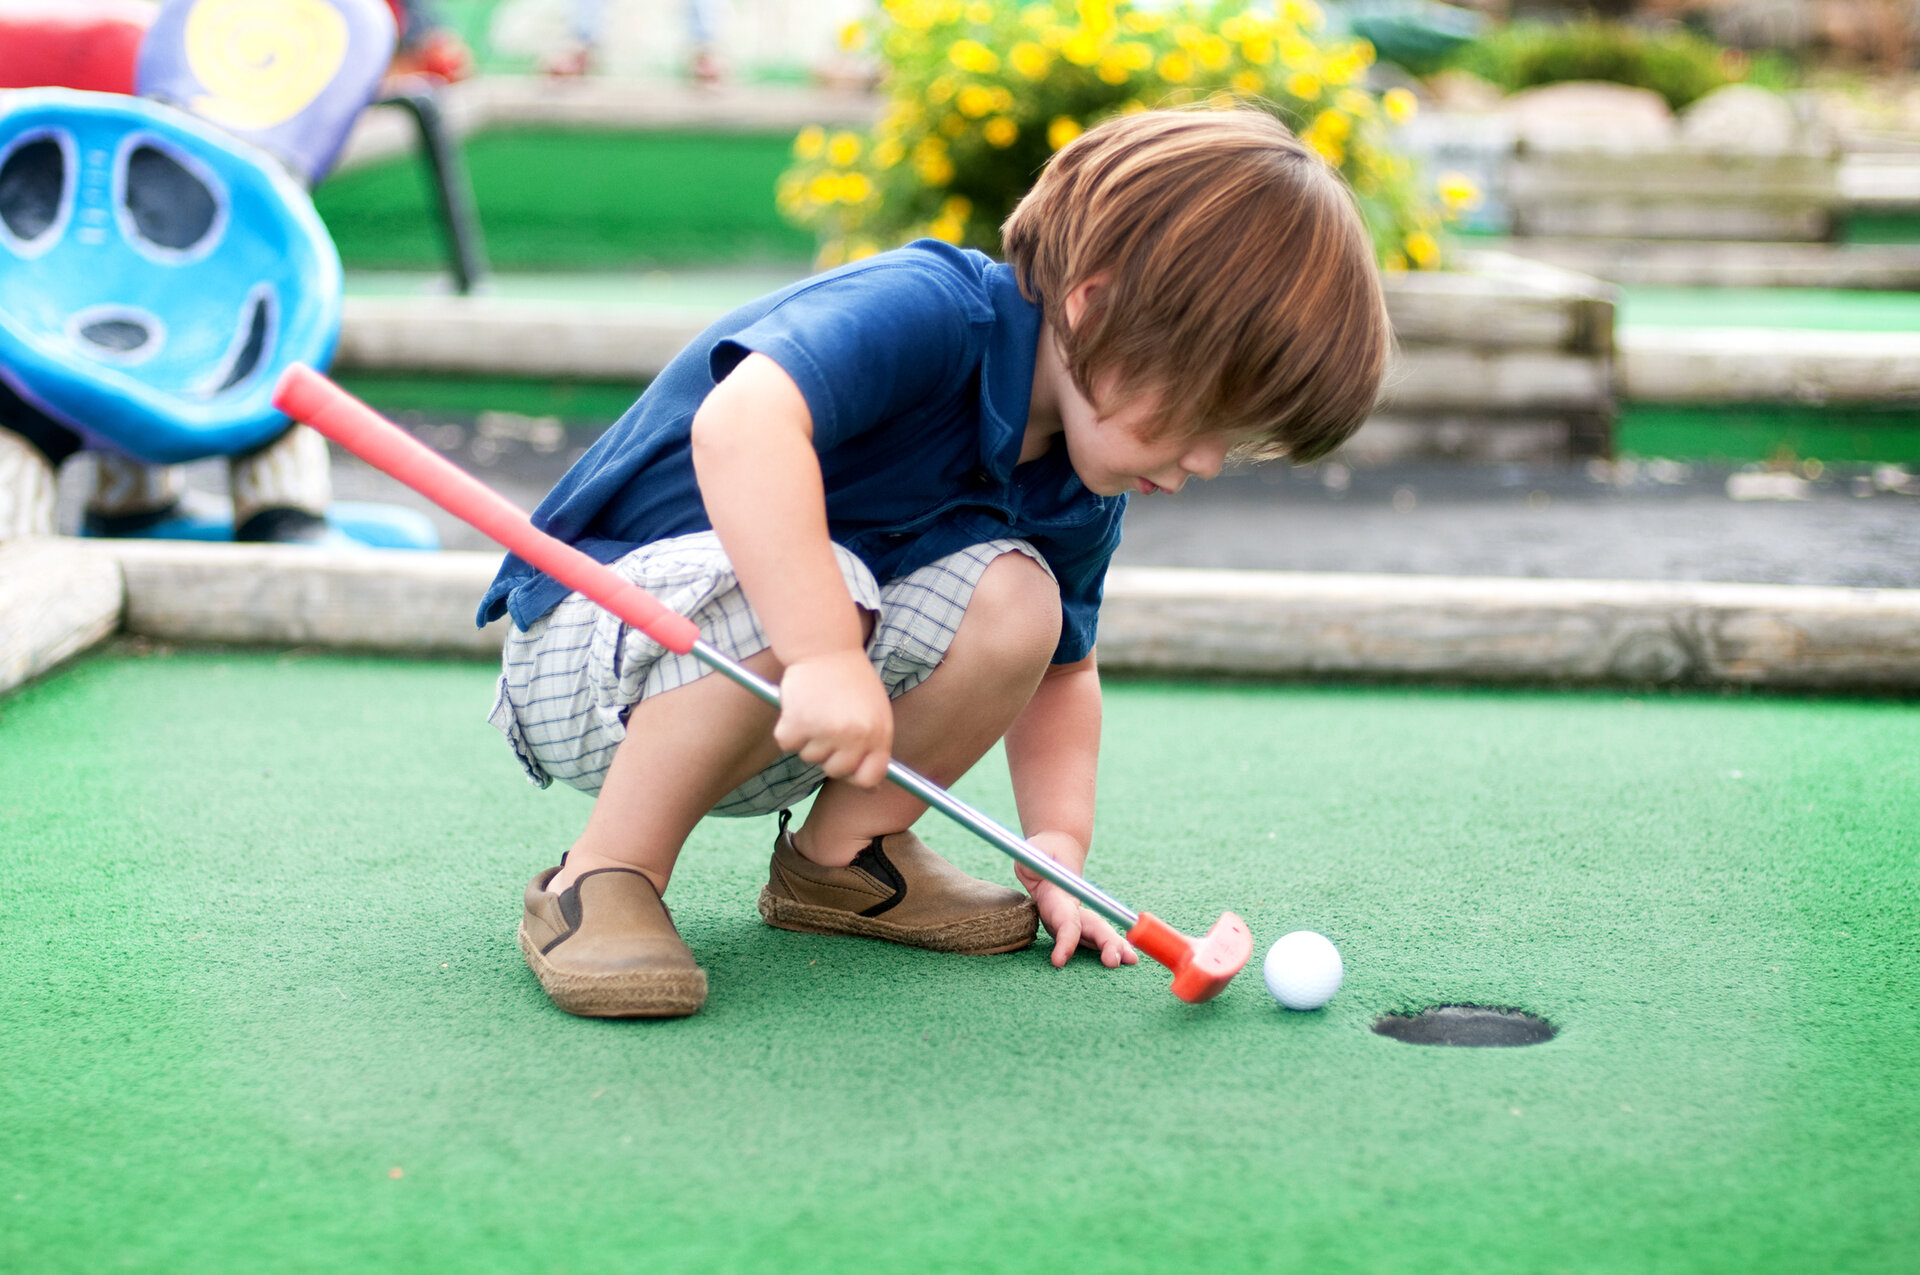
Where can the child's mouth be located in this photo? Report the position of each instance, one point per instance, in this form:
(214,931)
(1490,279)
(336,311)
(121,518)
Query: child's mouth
(1146,487)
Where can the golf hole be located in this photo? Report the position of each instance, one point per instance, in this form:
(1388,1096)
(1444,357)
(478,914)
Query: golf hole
(1475,1026)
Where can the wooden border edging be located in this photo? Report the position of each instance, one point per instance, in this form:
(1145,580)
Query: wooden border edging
(57,598)
(1258,623)
(290,595)
(1156,620)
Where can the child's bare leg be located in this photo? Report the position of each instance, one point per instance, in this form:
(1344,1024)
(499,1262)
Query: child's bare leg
(684,751)
(948,722)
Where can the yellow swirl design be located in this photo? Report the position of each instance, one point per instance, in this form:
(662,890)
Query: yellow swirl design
(262,61)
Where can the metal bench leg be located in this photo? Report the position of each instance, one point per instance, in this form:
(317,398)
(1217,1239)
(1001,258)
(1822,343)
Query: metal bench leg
(467,254)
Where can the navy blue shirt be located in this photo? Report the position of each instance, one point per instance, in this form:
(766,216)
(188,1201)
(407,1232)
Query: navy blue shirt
(917,366)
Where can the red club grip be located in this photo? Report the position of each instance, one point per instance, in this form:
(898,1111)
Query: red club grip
(307,396)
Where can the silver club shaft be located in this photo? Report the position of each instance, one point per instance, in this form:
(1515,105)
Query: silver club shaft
(1019,849)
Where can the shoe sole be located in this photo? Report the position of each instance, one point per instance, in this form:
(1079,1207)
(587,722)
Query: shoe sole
(620,994)
(988,935)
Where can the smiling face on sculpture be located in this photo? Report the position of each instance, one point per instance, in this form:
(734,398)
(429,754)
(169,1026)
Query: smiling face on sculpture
(155,276)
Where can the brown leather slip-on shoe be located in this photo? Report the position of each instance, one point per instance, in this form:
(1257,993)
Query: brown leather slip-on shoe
(605,947)
(898,890)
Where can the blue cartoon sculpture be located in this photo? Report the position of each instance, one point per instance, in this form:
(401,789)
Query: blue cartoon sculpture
(161,263)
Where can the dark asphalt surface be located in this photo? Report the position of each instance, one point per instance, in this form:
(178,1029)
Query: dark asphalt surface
(1848,525)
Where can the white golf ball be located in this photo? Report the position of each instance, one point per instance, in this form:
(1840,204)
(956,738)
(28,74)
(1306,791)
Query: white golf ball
(1303,970)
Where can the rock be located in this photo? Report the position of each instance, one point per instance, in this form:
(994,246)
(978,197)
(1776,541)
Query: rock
(1585,115)
(1741,119)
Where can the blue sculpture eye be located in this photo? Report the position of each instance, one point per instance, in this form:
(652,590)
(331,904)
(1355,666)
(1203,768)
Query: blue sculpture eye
(121,336)
(170,207)
(33,182)
(255,344)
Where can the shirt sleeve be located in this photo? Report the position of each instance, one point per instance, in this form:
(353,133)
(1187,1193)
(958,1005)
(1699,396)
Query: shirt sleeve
(1080,569)
(866,345)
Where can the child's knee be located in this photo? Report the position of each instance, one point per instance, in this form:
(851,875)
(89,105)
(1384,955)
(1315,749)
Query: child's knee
(1020,604)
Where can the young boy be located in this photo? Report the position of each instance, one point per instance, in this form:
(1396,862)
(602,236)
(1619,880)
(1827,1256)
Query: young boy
(893,489)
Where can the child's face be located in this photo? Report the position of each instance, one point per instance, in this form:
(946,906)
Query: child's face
(1119,450)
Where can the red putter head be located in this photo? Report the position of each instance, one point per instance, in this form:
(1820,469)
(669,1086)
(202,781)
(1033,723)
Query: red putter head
(1201,967)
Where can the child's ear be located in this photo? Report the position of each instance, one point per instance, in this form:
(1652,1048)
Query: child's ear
(1083,292)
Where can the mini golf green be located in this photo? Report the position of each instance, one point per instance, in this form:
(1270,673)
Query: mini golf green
(578,200)
(265,1011)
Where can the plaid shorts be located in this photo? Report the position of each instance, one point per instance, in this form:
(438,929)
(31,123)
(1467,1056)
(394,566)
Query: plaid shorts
(568,682)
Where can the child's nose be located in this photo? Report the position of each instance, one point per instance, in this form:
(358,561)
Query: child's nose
(1206,461)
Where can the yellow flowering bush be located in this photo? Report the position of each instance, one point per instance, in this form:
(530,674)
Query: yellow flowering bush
(979,94)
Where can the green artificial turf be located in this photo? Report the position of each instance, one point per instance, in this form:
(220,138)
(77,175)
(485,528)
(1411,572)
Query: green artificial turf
(1821,309)
(264,1011)
(578,200)
(1736,432)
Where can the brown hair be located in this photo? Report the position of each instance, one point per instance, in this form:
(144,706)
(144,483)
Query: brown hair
(1240,284)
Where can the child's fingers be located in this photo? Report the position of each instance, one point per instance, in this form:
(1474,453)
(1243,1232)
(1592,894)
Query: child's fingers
(1065,943)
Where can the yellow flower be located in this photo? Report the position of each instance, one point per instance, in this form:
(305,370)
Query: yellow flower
(1220,100)
(930,162)
(824,189)
(1134,55)
(1037,15)
(941,89)
(1258,51)
(1354,102)
(958,207)
(843,149)
(853,36)
(854,188)
(812,140)
(1082,48)
(1213,53)
(1396,263)
(971,55)
(1176,68)
(1002,98)
(1296,50)
(1112,70)
(887,154)
(1303,13)
(790,194)
(1132,106)
(1328,135)
(953,125)
(1400,105)
(1029,59)
(1096,16)
(1000,132)
(861,249)
(1344,69)
(1055,36)
(1062,130)
(1246,83)
(980,13)
(1304,85)
(1142,23)
(946,229)
(1458,191)
(973,101)
(1423,249)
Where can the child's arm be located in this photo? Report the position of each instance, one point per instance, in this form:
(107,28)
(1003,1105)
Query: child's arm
(1053,750)
(760,478)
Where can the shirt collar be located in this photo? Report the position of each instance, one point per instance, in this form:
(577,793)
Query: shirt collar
(1006,372)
